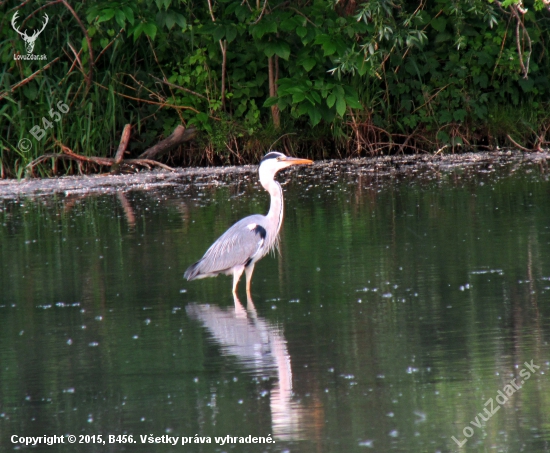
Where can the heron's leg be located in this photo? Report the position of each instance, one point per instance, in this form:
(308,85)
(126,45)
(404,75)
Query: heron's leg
(249,270)
(237,272)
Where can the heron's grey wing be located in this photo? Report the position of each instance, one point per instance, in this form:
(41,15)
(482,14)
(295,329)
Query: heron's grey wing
(237,246)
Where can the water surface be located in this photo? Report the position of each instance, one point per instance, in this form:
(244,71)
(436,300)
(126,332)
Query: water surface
(400,303)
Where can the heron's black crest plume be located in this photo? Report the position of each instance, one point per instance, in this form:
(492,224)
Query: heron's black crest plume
(272,155)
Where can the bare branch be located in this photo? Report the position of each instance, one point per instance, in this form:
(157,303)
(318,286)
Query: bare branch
(27,80)
(88,40)
(178,87)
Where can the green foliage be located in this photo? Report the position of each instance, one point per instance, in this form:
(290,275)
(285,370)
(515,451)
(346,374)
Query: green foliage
(395,72)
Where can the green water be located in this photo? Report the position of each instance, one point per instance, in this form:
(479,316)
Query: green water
(398,306)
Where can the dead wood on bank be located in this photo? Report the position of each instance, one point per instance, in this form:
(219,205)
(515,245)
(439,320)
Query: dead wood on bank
(118,164)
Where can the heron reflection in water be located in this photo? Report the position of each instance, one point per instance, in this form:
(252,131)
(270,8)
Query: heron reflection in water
(251,238)
(259,346)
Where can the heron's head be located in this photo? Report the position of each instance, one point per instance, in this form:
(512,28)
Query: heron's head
(274,161)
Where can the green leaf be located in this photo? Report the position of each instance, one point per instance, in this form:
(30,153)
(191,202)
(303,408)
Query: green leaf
(300,109)
(230,9)
(282,49)
(315,96)
(329,46)
(527,84)
(161,3)
(230,32)
(486,59)
(262,28)
(439,24)
(170,21)
(269,50)
(129,13)
(241,108)
(445,117)
(298,97)
(362,68)
(331,99)
(241,12)
(309,63)
(301,31)
(341,106)
(202,117)
(137,31)
(279,48)
(270,101)
(481,111)
(443,37)
(314,115)
(282,104)
(120,18)
(288,25)
(161,18)
(92,14)
(459,115)
(180,20)
(482,80)
(150,30)
(219,33)
(294,89)
(106,15)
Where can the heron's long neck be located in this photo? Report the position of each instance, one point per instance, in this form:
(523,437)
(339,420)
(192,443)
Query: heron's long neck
(276,207)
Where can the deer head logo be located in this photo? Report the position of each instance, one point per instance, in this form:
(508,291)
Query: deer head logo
(29,40)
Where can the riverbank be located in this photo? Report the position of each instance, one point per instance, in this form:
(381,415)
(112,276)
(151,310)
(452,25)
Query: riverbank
(147,180)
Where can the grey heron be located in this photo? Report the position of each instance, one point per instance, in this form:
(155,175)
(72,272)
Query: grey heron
(251,238)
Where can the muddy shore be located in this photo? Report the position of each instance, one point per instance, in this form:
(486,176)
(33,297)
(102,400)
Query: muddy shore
(146,180)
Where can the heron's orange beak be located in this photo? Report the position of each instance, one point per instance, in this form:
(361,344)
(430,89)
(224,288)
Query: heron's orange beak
(297,161)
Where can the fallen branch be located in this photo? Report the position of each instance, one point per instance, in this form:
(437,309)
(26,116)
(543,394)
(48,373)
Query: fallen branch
(517,144)
(95,160)
(180,135)
(119,156)
(145,162)
(68,154)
